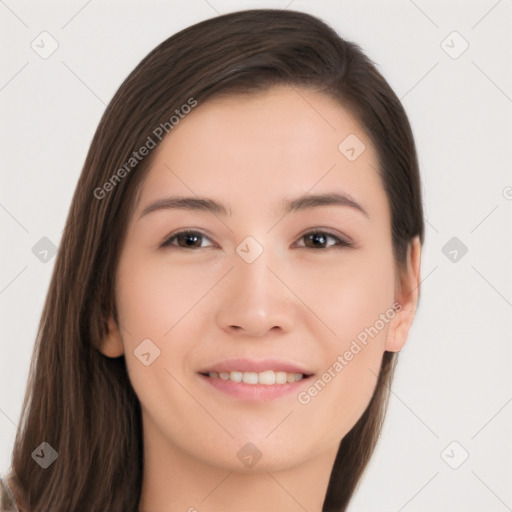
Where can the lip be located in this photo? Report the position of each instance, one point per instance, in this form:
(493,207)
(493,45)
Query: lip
(255,392)
(257,365)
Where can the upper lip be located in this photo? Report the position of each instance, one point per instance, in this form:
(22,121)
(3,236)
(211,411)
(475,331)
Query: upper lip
(256,365)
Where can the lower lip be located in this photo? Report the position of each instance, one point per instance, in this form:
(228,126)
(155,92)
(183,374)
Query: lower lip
(255,392)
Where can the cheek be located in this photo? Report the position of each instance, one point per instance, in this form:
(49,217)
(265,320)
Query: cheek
(153,297)
(353,298)
(158,304)
(348,293)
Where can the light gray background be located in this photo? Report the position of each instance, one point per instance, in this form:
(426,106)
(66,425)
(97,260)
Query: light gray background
(453,382)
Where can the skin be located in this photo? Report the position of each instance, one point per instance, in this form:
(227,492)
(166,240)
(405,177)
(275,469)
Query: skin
(295,301)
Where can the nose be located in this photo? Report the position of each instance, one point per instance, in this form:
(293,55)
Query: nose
(256,301)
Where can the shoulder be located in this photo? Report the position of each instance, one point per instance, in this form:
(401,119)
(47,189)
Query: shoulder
(7,500)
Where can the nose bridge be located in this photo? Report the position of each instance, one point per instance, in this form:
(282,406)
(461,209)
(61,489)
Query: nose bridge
(255,301)
(252,261)
(255,276)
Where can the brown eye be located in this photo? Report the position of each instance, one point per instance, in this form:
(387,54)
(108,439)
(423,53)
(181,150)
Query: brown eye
(320,240)
(186,240)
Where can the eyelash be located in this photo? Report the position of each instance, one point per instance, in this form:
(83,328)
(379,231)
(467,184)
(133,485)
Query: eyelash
(340,242)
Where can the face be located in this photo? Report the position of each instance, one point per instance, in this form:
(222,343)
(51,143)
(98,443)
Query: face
(279,267)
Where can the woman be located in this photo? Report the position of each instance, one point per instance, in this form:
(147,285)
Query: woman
(239,268)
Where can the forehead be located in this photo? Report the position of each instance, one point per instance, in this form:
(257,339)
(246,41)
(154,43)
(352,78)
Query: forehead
(254,149)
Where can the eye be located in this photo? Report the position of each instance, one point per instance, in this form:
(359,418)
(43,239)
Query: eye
(186,240)
(319,240)
(316,239)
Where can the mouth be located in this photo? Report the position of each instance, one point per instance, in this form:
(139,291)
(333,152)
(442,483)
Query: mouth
(265,378)
(252,380)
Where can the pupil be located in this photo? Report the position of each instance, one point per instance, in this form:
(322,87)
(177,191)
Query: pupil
(318,238)
(190,239)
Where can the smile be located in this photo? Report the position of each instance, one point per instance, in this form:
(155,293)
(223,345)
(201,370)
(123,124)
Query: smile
(267,378)
(256,379)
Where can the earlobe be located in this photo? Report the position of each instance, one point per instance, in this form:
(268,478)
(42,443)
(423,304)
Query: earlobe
(407,293)
(112,344)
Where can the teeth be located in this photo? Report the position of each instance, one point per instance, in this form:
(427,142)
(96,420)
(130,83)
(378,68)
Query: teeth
(268,377)
(280,377)
(235,376)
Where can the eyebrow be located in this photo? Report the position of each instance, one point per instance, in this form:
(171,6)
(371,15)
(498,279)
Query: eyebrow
(289,205)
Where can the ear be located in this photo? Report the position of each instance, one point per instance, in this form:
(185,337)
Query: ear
(112,344)
(406,296)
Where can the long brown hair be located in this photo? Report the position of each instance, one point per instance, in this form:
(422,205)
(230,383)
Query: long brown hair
(82,403)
